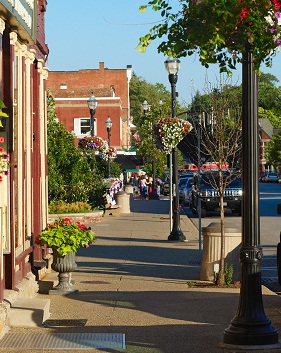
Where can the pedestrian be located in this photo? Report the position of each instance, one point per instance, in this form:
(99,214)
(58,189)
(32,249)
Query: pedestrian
(143,188)
(150,186)
(136,185)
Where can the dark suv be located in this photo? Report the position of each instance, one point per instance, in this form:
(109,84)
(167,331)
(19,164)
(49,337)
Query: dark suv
(210,199)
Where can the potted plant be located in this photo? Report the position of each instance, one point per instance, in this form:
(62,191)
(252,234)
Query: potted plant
(168,132)
(64,237)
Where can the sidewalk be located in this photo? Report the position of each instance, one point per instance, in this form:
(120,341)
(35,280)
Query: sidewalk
(133,281)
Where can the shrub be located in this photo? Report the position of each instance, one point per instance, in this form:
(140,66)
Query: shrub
(59,207)
(228,273)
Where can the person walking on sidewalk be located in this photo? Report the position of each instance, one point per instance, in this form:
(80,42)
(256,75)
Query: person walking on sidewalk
(143,187)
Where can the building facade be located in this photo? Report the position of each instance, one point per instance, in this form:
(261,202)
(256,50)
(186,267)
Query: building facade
(72,89)
(23,192)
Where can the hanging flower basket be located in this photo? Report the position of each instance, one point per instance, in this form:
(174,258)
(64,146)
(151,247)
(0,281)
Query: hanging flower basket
(168,132)
(94,144)
(111,153)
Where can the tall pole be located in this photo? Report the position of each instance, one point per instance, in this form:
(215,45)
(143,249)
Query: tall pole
(108,124)
(250,326)
(92,121)
(92,104)
(108,134)
(176,233)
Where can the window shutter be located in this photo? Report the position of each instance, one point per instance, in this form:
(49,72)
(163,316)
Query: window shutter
(77,130)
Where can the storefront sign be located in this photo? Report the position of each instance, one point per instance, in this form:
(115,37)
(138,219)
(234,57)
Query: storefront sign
(24,12)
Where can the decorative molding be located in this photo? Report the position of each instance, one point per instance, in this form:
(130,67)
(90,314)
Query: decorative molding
(13,38)
(2,26)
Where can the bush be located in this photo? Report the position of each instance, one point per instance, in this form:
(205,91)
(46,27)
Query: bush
(59,207)
(228,273)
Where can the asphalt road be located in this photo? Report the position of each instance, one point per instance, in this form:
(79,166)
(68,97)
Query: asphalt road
(270,228)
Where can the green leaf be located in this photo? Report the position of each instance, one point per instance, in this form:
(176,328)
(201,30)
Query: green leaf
(143,8)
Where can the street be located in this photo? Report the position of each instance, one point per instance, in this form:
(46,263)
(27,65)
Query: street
(270,228)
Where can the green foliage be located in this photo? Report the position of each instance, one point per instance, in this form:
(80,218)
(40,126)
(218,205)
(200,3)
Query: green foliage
(66,236)
(3,114)
(68,171)
(269,114)
(273,150)
(216,31)
(228,274)
(141,90)
(159,100)
(58,207)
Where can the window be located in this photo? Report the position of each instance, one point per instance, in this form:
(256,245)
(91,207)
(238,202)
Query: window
(82,126)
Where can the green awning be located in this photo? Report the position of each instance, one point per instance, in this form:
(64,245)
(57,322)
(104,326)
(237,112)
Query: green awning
(132,170)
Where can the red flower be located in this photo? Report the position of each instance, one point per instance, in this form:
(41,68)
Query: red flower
(277,4)
(67,221)
(81,226)
(244,13)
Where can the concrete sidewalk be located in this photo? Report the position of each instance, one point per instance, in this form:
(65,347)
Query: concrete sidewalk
(133,281)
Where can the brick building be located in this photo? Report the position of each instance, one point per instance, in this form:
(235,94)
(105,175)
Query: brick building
(23,201)
(72,89)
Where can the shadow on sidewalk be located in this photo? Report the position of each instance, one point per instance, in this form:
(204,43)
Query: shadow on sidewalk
(140,260)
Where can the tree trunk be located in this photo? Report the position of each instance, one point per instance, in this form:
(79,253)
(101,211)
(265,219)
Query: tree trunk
(221,279)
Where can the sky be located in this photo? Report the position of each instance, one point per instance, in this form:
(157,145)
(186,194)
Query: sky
(80,34)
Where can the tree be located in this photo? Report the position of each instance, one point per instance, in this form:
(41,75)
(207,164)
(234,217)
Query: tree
(159,101)
(141,90)
(216,31)
(68,171)
(273,150)
(219,119)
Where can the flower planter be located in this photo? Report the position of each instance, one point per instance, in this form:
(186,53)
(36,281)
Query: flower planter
(63,265)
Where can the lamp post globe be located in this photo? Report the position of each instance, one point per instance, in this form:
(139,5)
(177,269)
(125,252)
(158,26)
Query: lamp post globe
(172,65)
(108,124)
(145,107)
(92,104)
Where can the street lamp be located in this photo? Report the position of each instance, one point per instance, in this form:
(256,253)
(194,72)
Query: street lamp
(172,66)
(92,104)
(108,124)
(250,326)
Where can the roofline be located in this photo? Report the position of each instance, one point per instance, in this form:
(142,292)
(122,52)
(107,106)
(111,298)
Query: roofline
(85,99)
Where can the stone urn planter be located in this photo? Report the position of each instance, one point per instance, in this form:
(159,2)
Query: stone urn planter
(64,237)
(63,265)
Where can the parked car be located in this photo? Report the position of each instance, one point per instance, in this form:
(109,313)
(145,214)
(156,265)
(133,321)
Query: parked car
(271,178)
(181,186)
(186,191)
(210,199)
(186,175)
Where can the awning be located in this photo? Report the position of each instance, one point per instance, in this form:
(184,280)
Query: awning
(131,170)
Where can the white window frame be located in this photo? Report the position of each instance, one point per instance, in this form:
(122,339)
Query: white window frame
(77,127)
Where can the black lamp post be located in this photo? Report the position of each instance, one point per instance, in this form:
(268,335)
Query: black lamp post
(172,66)
(92,104)
(108,124)
(250,326)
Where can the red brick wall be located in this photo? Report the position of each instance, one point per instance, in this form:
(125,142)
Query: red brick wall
(68,110)
(93,79)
